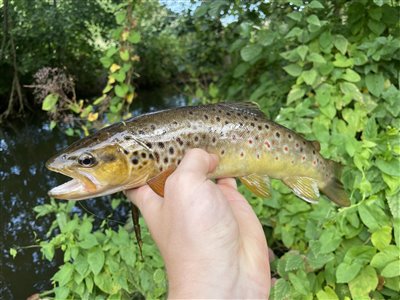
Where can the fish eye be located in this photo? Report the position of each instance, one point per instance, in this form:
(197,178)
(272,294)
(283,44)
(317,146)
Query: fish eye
(87,160)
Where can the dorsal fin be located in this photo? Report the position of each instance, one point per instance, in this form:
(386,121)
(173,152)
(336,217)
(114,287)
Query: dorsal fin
(247,107)
(316,145)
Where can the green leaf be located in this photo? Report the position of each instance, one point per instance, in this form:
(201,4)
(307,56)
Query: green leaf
(364,283)
(13,252)
(89,241)
(299,282)
(106,61)
(241,69)
(351,89)
(128,256)
(346,272)
(302,51)
(315,5)
(330,239)
(392,269)
(64,275)
(383,258)
(49,102)
(96,260)
(382,237)
(266,38)
(201,10)
(121,90)
(294,261)
(47,250)
(375,83)
(293,69)
(341,43)
(316,58)
(61,292)
(389,167)
(376,26)
(120,17)
(281,290)
(124,54)
(327,293)
(295,93)
(351,76)
(295,15)
(325,39)
(309,76)
(313,20)
(52,124)
(159,276)
(69,131)
(134,37)
(250,52)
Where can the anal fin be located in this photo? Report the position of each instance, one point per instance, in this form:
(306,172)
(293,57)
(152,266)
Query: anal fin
(258,184)
(305,188)
(157,183)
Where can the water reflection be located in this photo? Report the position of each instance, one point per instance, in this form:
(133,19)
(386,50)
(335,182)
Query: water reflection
(24,181)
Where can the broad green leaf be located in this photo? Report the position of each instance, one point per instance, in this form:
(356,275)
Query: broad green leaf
(351,89)
(295,15)
(351,76)
(302,51)
(250,51)
(327,293)
(315,4)
(299,282)
(106,61)
(392,269)
(330,239)
(281,290)
(346,272)
(313,20)
(241,69)
(49,102)
(341,43)
(293,69)
(316,58)
(325,39)
(382,237)
(134,37)
(120,17)
(266,38)
(89,241)
(364,283)
(124,54)
(375,83)
(201,10)
(159,276)
(128,256)
(96,260)
(121,90)
(52,124)
(294,261)
(383,258)
(376,26)
(309,76)
(47,250)
(61,292)
(389,167)
(64,275)
(295,93)
(13,252)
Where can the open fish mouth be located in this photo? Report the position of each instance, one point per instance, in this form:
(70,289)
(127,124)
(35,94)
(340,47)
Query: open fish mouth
(79,187)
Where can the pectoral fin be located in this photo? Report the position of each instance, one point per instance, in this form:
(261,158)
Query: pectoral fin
(304,187)
(258,184)
(157,183)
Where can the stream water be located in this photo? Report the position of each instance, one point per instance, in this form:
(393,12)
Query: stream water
(25,145)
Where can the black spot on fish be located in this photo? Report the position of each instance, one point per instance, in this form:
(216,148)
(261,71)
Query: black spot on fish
(220,111)
(157,156)
(196,138)
(161,145)
(266,126)
(259,127)
(206,117)
(238,114)
(226,122)
(214,139)
(252,124)
(179,140)
(152,127)
(171,150)
(313,152)
(135,153)
(289,136)
(218,119)
(175,122)
(278,135)
(179,161)
(246,117)
(151,156)
(126,151)
(141,132)
(143,155)
(165,160)
(135,160)
(190,113)
(228,113)
(149,145)
(222,152)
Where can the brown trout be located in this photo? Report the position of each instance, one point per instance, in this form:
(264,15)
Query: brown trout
(147,149)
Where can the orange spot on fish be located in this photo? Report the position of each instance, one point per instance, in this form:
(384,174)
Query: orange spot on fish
(267,144)
(286,149)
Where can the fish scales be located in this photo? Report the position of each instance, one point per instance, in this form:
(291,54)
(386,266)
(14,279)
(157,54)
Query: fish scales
(246,143)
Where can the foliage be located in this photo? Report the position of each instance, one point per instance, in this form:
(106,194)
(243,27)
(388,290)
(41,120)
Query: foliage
(102,263)
(341,59)
(327,69)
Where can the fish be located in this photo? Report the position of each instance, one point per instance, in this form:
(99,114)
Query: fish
(147,149)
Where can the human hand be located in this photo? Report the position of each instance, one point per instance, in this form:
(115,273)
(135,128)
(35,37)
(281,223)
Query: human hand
(211,241)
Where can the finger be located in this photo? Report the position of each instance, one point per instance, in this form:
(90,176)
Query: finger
(227,182)
(196,164)
(148,202)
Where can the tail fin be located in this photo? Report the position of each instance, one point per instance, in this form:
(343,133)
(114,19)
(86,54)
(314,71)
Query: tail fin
(334,188)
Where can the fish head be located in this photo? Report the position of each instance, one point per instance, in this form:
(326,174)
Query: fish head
(97,171)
